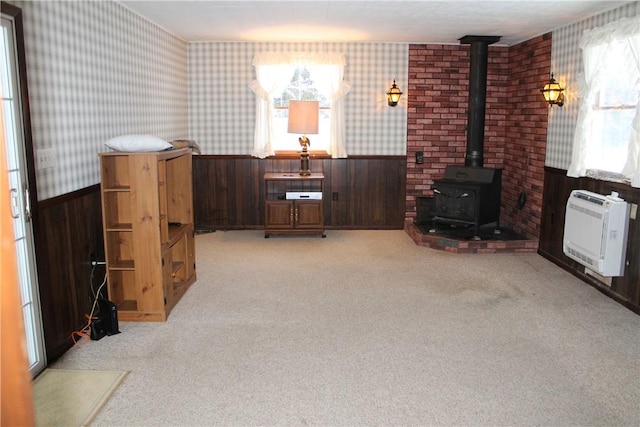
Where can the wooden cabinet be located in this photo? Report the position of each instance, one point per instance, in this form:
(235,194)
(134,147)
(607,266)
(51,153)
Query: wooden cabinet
(293,216)
(147,211)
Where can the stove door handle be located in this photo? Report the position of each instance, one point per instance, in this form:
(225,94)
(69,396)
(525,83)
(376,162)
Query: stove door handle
(435,190)
(463,195)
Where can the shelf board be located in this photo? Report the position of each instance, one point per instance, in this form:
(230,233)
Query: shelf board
(160,155)
(116,188)
(125,226)
(276,196)
(142,316)
(128,305)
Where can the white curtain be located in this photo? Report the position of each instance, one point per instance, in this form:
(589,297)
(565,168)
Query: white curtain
(632,168)
(269,70)
(332,75)
(273,71)
(595,45)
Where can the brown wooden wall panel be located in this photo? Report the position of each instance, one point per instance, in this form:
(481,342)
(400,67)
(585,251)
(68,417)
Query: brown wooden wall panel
(359,192)
(558,186)
(68,232)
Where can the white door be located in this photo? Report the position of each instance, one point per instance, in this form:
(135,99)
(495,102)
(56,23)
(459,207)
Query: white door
(23,231)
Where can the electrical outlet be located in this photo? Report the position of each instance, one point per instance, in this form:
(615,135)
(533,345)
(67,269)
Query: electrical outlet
(634,211)
(46,158)
(95,260)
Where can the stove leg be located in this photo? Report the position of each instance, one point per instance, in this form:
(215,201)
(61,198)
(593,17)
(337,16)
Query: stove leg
(476,235)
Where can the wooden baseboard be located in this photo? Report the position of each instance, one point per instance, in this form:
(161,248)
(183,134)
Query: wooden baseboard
(591,281)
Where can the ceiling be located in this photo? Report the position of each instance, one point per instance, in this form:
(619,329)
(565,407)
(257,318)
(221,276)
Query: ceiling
(441,22)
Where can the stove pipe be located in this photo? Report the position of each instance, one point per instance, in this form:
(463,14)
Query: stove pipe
(477,97)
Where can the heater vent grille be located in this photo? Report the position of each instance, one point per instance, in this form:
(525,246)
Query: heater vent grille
(585,210)
(582,256)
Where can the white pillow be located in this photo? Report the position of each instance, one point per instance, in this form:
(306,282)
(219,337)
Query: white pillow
(133,143)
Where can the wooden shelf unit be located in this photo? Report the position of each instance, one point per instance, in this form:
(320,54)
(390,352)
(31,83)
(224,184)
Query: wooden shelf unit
(147,211)
(294,216)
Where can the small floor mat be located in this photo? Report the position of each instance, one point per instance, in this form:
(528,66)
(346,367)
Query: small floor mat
(69,397)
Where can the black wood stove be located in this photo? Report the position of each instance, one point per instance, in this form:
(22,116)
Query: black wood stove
(468,196)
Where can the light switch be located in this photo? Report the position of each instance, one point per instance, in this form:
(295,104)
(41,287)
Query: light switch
(46,158)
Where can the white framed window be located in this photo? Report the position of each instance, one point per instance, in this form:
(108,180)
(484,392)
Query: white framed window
(607,138)
(302,86)
(281,77)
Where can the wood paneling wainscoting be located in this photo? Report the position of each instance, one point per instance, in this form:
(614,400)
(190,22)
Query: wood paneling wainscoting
(70,230)
(557,187)
(359,192)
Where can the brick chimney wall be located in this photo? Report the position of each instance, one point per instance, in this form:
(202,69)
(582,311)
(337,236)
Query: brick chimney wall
(525,150)
(437,117)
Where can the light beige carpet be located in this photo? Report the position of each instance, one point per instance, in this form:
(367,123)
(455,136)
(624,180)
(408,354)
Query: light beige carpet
(70,397)
(365,328)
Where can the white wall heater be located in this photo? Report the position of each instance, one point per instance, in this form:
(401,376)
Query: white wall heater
(595,231)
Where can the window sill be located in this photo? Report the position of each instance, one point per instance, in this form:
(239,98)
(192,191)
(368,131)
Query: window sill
(607,176)
(291,154)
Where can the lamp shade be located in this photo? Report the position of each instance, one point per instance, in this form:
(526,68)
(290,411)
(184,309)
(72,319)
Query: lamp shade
(303,117)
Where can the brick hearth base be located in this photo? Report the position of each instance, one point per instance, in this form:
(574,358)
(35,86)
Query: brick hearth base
(467,246)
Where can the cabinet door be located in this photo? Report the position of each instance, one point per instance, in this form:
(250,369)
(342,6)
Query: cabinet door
(279,214)
(308,214)
(167,280)
(191,253)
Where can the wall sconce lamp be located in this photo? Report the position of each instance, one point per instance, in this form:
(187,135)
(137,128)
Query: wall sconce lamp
(553,93)
(303,118)
(393,96)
